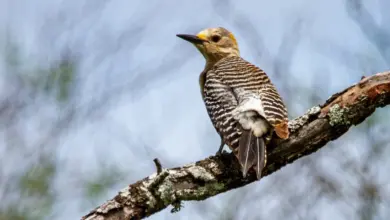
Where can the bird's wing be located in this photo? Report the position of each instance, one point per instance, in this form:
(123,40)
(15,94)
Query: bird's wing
(275,110)
(220,101)
(250,84)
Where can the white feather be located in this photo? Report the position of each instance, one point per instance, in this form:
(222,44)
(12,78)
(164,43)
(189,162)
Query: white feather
(244,115)
(250,104)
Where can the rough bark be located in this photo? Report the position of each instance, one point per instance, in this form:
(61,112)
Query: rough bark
(218,174)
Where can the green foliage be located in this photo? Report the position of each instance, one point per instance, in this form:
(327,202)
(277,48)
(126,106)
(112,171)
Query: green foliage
(96,187)
(36,198)
(59,79)
(35,188)
(12,55)
(36,180)
(32,192)
(56,80)
(12,213)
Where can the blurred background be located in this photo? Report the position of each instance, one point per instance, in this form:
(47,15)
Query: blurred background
(92,90)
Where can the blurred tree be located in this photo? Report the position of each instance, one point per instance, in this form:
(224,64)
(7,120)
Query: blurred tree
(27,186)
(42,104)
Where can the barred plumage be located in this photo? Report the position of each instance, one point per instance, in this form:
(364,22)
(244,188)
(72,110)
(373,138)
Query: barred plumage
(242,103)
(231,79)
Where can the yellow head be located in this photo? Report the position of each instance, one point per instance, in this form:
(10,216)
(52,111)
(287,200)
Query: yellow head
(214,43)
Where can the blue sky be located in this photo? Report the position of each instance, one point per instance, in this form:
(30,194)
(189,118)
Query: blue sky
(146,81)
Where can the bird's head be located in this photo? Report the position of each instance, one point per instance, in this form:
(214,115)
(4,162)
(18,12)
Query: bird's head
(214,43)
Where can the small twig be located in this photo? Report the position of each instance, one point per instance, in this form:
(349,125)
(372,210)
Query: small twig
(177,205)
(158,165)
(160,176)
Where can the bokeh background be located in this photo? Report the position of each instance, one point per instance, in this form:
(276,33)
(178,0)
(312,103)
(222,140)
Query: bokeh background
(92,90)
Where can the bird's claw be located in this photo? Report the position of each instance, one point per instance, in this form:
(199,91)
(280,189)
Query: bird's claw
(220,152)
(220,149)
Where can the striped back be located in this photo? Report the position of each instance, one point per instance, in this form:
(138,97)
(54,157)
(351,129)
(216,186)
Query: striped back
(235,74)
(241,75)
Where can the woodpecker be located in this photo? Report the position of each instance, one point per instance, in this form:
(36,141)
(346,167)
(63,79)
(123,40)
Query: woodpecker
(241,101)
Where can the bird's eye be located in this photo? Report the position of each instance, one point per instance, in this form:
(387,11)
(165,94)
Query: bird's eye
(215,38)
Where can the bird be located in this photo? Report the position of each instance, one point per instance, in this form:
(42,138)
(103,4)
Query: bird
(243,104)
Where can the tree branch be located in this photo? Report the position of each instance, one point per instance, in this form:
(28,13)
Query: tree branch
(218,174)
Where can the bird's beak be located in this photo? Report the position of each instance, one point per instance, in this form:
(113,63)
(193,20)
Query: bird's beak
(191,38)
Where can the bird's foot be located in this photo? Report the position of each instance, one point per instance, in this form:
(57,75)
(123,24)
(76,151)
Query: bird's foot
(219,152)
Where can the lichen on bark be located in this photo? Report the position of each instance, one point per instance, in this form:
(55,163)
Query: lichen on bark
(338,115)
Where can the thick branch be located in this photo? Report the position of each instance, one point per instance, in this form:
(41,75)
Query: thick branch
(218,174)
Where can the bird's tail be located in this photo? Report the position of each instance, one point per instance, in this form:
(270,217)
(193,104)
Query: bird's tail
(251,153)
